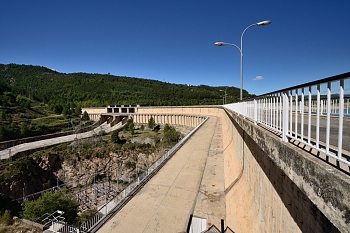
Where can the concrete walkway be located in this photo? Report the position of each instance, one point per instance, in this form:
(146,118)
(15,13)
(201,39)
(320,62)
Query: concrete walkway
(190,183)
(5,154)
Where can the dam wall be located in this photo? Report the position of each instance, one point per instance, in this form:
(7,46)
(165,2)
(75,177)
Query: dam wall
(172,119)
(271,185)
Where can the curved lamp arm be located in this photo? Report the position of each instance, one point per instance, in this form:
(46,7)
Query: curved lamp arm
(224,44)
(262,23)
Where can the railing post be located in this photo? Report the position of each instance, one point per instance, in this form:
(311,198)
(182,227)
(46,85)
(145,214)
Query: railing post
(274,111)
(189,224)
(302,104)
(280,111)
(341,118)
(266,121)
(291,112)
(309,117)
(222,226)
(318,103)
(270,110)
(285,117)
(255,111)
(328,127)
(296,114)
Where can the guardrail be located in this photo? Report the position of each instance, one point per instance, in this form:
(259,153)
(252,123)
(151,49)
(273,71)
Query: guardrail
(313,113)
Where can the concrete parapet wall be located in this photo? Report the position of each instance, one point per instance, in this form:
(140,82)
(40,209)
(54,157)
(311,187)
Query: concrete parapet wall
(172,119)
(94,110)
(283,188)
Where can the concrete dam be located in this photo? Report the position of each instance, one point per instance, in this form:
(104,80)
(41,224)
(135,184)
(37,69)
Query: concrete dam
(238,172)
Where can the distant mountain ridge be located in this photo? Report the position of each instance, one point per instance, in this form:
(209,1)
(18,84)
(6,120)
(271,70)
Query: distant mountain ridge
(92,90)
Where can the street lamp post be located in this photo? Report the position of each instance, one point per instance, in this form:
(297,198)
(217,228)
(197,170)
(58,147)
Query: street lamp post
(262,23)
(225,96)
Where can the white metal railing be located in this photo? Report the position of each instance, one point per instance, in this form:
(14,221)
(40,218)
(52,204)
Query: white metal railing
(314,113)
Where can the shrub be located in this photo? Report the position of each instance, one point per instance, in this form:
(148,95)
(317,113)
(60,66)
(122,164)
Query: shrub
(5,218)
(85,116)
(115,137)
(50,202)
(86,215)
(171,134)
(151,123)
(130,164)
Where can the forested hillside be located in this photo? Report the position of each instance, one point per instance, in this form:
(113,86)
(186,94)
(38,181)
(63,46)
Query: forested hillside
(88,90)
(35,100)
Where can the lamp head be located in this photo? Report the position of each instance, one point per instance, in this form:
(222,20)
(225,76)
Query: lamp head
(220,43)
(263,23)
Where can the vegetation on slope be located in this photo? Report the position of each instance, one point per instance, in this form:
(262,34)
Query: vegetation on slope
(35,100)
(91,90)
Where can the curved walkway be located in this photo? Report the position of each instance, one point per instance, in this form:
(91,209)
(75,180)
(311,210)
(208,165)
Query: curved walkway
(7,153)
(192,182)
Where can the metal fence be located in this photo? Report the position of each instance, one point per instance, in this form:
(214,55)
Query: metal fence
(315,114)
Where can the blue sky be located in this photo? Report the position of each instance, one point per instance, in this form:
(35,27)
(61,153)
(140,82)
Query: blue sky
(173,41)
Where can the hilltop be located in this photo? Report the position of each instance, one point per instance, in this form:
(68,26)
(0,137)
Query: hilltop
(92,90)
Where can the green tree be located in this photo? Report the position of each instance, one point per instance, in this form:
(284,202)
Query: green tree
(57,108)
(5,217)
(2,116)
(151,123)
(4,86)
(4,102)
(66,110)
(50,202)
(77,111)
(171,134)
(142,128)
(10,97)
(115,136)
(24,129)
(167,128)
(23,102)
(3,133)
(85,116)
(131,128)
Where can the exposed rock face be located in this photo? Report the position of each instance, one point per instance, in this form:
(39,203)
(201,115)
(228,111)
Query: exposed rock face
(28,176)
(42,172)
(143,141)
(85,171)
(48,171)
(51,162)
